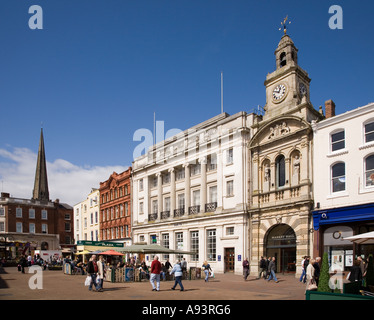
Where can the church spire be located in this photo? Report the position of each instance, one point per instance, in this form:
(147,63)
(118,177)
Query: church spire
(41,192)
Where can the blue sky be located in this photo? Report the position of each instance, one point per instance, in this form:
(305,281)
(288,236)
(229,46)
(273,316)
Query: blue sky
(99,69)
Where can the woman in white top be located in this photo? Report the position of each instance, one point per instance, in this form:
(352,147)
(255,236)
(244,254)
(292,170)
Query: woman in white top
(310,273)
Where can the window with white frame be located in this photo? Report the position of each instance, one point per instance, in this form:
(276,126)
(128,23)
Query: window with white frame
(211,245)
(167,204)
(2,226)
(2,212)
(181,201)
(338,141)
(165,242)
(19,227)
(31,227)
(179,243)
(18,212)
(369,132)
(44,228)
(154,206)
(230,156)
(44,215)
(195,169)
(196,197)
(194,245)
(338,177)
(141,187)
(141,208)
(369,171)
(213,194)
(31,213)
(180,174)
(230,188)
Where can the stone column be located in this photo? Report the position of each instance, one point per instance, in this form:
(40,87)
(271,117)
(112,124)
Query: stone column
(203,190)
(172,191)
(159,195)
(187,193)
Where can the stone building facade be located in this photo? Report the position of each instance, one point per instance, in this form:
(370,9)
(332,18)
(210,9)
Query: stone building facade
(281,175)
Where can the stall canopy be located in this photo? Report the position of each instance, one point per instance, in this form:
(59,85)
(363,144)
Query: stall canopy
(152,248)
(364,238)
(112,253)
(83,252)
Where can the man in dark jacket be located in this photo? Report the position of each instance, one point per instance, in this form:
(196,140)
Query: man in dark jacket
(92,270)
(263,268)
(272,268)
(317,269)
(245,269)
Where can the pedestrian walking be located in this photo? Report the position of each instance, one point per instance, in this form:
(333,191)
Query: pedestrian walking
(178,272)
(155,274)
(168,264)
(271,270)
(310,280)
(184,265)
(245,269)
(206,269)
(302,277)
(317,270)
(263,268)
(101,272)
(92,270)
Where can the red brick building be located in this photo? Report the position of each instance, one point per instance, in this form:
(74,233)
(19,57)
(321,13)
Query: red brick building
(37,223)
(115,208)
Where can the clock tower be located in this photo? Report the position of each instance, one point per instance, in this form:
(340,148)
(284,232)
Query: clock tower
(287,88)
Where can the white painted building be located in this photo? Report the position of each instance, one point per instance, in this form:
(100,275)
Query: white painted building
(86,217)
(190,193)
(344,180)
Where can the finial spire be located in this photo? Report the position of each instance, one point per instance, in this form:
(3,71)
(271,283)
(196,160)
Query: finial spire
(284,24)
(41,191)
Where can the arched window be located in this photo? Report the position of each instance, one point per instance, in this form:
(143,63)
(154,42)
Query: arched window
(281,171)
(283,60)
(369,171)
(338,177)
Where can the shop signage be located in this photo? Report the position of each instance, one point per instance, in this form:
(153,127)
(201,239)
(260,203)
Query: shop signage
(100,244)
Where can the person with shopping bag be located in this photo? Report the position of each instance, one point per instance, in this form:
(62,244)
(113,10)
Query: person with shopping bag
(310,277)
(92,270)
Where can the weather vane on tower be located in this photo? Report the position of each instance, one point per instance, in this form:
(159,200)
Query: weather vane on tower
(284,24)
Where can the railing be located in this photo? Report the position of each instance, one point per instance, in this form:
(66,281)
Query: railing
(194,210)
(178,212)
(211,207)
(165,214)
(152,216)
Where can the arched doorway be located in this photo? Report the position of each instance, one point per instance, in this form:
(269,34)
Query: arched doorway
(280,242)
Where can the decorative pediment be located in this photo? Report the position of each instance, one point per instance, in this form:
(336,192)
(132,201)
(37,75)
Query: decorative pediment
(280,129)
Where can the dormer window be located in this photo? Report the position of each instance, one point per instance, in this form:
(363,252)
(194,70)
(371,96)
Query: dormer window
(283,60)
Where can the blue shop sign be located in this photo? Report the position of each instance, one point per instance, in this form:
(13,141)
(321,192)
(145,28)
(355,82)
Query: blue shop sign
(363,212)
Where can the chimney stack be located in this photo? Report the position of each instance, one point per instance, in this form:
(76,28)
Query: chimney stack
(329,109)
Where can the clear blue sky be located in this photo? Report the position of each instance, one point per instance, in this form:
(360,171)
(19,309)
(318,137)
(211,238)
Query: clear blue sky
(99,69)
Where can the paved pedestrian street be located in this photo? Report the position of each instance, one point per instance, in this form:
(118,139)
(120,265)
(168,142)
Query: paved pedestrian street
(58,286)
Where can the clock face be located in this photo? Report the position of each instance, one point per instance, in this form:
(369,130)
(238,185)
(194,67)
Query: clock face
(302,89)
(279,92)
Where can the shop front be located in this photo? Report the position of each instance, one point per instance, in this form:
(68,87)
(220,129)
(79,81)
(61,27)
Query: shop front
(334,225)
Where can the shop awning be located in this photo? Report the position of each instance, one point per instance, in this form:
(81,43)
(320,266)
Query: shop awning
(364,238)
